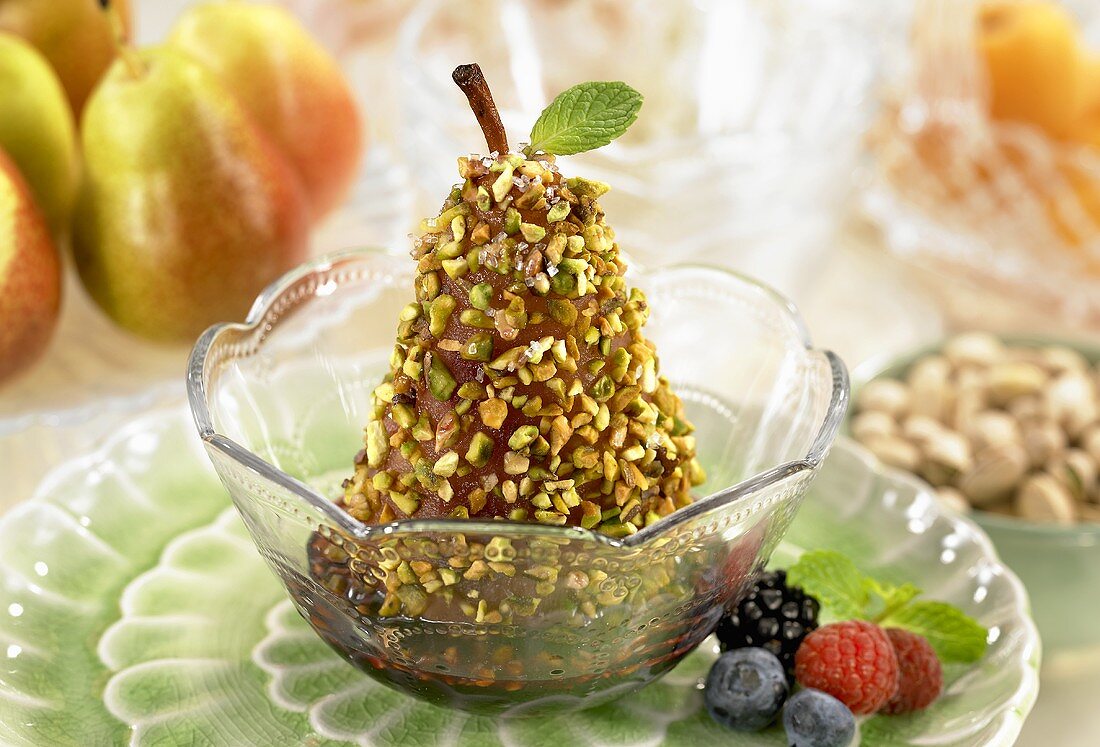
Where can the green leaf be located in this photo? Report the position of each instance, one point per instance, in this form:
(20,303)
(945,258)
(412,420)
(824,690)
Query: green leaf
(834,580)
(954,636)
(586,117)
(888,598)
(899,596)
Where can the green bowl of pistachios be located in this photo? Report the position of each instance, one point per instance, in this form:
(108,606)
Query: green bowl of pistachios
(1006,428)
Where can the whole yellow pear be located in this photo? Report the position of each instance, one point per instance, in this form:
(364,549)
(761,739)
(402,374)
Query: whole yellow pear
(74,35)
(293,88)
(30,275)
(186,209)
(36,127)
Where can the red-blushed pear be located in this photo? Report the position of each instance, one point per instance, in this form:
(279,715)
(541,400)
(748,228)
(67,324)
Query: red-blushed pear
(30,275)
(186,209)
(36,127)
(293,88)
(74,35)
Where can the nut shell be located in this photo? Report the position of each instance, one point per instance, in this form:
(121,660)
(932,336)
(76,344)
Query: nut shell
(1043,498)
(996,472)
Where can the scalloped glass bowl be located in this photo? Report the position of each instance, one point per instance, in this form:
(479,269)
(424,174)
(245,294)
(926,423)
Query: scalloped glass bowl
(280,403)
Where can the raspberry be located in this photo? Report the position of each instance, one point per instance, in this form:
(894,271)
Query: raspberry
(852,661)
(921,676)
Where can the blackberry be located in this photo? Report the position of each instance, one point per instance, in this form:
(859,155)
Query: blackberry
(773,616)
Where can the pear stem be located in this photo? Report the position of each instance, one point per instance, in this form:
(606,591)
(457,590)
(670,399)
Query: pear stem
(472,82)
(126,53)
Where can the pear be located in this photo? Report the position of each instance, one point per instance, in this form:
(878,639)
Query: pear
(522,385)
(186,209)
(294,89)
(30,274)
(74,35)
(36,127)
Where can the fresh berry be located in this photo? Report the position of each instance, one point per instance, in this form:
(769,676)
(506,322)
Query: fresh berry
(853,661)
(773,616)
(920,674)
(816,719)
(746,688)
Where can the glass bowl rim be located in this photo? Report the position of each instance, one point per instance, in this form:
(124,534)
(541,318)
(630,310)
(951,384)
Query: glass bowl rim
(270,298)
(876,367)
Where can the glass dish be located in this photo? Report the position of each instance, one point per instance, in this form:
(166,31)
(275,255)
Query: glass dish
(603,616)
(749,131)
(1059,565)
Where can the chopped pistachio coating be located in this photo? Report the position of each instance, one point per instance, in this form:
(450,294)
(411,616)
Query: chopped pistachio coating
(522,386)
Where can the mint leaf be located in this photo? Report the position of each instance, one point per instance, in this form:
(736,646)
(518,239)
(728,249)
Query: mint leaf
(586,117)
(953,635)
(887,597)
(833,580)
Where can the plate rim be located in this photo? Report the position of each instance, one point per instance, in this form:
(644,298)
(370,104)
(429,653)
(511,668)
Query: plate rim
(1018,707)
(1010,716)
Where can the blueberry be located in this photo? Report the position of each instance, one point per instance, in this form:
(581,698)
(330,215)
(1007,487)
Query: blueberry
(746,688)
(816,719)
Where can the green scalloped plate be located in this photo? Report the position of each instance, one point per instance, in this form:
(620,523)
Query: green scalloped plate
(134,609)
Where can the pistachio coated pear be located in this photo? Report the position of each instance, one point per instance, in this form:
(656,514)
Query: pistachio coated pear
(36,127)
(293,88)
(522,385)
(74,35)
(30,274)
(186,209)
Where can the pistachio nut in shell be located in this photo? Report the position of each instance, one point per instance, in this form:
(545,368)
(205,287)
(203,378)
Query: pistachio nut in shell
(1071,400)
(974,349)
(1077,471)
(873,423)
(895,452)
(990,427)
(997,470)
(953,498)
(921,429)
(1010,380)
(1044,498)
(1044,441)
(929,389)
(885,395)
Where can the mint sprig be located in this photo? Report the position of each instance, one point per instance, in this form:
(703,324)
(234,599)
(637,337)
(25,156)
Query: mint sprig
(585,117)
(845,594)
(834,580)
(953,635)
